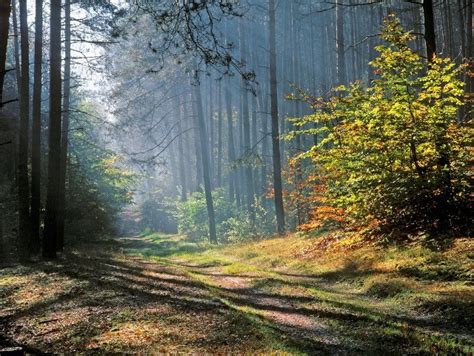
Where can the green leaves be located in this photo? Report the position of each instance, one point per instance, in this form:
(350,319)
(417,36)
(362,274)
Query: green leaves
(394,152)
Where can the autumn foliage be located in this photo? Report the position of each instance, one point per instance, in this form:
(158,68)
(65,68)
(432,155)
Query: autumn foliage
(393,152)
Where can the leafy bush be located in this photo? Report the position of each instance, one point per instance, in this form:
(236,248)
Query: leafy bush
(393,153)
(232,224)
(99,185)
(191,215)
(158,216)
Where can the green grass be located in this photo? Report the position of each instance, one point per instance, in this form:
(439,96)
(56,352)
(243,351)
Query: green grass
(397,298)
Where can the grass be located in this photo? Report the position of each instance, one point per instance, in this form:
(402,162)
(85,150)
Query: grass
(409,296)
(299,294)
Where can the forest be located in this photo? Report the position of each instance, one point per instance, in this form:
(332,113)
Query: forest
(274,177)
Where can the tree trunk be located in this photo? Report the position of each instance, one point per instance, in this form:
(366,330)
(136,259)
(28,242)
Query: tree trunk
(230,140)
(469,55)
(297,107)
(265,148)
(340,46)
(197,145)
(277,184)
(187,138)
(36,132)
(219,134)
(52,198)
(5,8)
(23,181)
(182,174)
(205,164)
(16,47)
(249,185)
(65,125)
(210,130)
(430,37)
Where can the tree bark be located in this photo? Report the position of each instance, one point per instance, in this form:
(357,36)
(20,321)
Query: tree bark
(16,47)
(36,131)
(23,180)
(340,46)
(230,139)
(65,125)
(469,55)
(205,164)
(249,186)
(182,174)
(430,36)
(277,184)
(52,198)
(219,134)
(5,9)
(197,146)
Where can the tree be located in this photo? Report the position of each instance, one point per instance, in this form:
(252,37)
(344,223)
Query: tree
(182,171)
(205,162)
(249,184)
(36,130)
(54,143)
(24,231)
(340,46)
(65,126)
(381,151)
(5,9)
(430,36)
(277,183)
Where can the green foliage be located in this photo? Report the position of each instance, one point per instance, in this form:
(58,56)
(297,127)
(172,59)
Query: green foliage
(158,216)
(232,224)
(393,152)
(192,214)
(98,185)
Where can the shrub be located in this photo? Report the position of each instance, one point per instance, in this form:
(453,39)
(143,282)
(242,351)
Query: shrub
(393,153)
(232,224)
(158,216)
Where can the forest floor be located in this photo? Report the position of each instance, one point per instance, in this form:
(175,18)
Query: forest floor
(292,295)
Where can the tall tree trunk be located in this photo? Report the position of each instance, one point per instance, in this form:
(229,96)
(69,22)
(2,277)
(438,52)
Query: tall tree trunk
(230,139)
(182,173)
(197,145)
(297,107)
(470,57)
(265,146)
(36,131)
(187,138)
(16,47)
(444,200)
(430,37)
(249,186)
(211,139)
(5,8)
(65,125)
(219,134)
(277,184)
(340,46)
(205,164)
(54,159)
(253,141)
(23,181)
(240,172)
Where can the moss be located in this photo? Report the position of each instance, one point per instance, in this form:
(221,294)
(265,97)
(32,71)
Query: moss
(385,288)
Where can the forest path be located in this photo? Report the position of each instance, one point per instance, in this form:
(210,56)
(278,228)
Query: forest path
(166,294)
(106,298)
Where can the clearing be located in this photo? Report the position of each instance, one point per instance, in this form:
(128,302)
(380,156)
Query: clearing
(162,293)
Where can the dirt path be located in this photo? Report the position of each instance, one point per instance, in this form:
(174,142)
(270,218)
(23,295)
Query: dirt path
(280,311)
(109,298)
(106,302)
